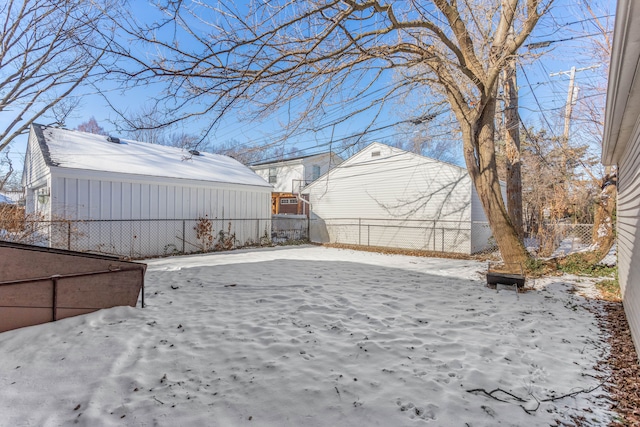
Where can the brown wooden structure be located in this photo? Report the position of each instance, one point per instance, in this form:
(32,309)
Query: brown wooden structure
(288,203)
(39,285)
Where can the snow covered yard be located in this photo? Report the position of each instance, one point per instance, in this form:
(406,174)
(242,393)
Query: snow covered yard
(312,336)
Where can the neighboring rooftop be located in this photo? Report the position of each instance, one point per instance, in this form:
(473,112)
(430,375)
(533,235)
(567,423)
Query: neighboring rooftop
(80,150)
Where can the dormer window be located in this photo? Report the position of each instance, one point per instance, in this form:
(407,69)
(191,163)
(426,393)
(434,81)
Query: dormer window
(316,172)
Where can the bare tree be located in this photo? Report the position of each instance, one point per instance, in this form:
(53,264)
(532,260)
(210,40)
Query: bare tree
(553,197)
(314,55)
(48,48)
(6,170)
(91,126)
(145,125)
(593,108)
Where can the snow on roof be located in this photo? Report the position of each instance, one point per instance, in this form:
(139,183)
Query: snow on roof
(86,151)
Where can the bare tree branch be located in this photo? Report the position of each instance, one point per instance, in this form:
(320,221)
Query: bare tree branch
(47,50)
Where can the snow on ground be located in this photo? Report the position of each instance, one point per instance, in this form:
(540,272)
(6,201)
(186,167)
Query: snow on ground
(312,336)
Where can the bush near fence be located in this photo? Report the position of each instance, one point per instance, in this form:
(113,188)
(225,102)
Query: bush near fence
(142,238)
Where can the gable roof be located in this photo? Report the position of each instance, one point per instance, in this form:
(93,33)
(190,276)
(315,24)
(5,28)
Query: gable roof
(69,149)
(388,154)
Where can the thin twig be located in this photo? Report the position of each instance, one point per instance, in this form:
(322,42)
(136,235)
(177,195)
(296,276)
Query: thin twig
(539,401)
(553,399)
(490,394)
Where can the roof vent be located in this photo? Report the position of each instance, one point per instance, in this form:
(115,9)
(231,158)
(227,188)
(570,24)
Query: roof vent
(113,139)
(194,152)
(375,153)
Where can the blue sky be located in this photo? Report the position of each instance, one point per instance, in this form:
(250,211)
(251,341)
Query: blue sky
(542,97)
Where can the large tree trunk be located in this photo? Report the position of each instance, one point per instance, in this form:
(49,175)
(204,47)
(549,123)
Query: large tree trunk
(512,148)
(480,157)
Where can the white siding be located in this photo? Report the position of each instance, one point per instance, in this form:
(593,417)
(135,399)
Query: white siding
(36,175)
(629,235)
(324,162)
(397,185)
(288,175)
(294,174)
(481,232)
(246,209)
(77,198)
(407,201)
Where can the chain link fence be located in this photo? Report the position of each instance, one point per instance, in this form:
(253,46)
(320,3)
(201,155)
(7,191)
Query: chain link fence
(557,239)
(464,237)
(142,238)
(149,238)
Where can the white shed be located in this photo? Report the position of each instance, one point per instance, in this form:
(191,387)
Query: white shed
(621,147)
(385,196)
(139,199)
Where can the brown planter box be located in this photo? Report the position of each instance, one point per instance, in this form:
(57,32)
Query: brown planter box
(39,285)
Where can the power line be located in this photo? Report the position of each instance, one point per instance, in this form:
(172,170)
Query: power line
(547,43)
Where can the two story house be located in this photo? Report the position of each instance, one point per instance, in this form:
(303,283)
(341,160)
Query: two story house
(289,176)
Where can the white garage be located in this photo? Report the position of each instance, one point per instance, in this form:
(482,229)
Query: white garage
(130,198)
(387,197)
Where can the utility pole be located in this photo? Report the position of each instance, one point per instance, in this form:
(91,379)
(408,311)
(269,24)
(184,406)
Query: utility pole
(572,97)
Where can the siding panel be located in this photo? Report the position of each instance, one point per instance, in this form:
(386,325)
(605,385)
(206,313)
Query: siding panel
(382,183)
(84,199)
(628,235)
(127,197)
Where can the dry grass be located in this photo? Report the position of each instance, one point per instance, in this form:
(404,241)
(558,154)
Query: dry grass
(609,290)
(396,251)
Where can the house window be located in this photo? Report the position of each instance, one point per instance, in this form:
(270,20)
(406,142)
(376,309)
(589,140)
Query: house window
(316,172)
(273,175)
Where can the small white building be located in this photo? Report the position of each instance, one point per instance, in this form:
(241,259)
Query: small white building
(388,197)
(289,176)
(138,199)
(621,147)
(11,197)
